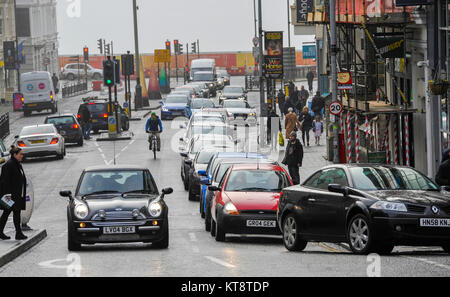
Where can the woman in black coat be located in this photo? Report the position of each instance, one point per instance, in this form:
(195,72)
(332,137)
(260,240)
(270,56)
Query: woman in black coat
(13,182)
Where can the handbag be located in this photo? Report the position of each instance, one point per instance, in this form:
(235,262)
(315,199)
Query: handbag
(280,139)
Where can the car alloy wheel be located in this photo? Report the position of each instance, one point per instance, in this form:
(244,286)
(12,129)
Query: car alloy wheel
(220,233)
(291,239)
(360,235)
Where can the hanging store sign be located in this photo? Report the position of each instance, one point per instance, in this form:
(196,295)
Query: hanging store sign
(273,55)
(345,81)
(391,47)
(309,51)
(304,7)
(412,2)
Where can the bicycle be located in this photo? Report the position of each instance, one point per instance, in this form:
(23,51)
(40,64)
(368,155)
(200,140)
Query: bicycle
(154,143)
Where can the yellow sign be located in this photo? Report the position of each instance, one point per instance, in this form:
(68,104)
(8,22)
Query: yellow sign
(162,56)
(344,77)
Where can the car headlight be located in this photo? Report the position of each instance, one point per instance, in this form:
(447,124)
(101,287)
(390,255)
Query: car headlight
(81,211)
(252,114)
(230,209)
(165,109)
(390,206)
(230,114)
(155,209)
(223,98)
(211,85)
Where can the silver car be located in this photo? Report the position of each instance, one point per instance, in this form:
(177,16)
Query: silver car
(41,141)
(239,112)
(75,70)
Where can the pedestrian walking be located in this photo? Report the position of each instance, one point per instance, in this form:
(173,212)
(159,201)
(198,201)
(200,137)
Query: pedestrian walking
(291,123)
(318,129)
(14,184)
(295,97)
(307,124)
(287,105)
(291,89)
(443,175)
(55,81)
(86,122)
(310,78)
(318,104)
(293,158)
(272,134)
(281,100)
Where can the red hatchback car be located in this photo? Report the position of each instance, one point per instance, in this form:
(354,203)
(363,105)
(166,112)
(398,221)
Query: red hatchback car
(246,200)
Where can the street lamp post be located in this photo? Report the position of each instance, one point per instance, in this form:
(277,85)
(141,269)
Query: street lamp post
(333,53)
(138,95)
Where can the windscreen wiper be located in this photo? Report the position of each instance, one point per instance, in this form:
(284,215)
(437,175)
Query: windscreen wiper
(136,192)
(99,193)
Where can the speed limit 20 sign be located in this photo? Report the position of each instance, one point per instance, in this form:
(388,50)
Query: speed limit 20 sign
(336,108)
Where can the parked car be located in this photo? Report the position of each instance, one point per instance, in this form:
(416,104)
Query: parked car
(246,200)
(76,70)
(115,204)
(4,153)
(41,141)
(176,105)
(99,114)
(68,126)
(38,92)
(371,207)
(199,162)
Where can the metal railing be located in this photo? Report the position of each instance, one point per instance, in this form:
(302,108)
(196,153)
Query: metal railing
(4,126)
(74,89)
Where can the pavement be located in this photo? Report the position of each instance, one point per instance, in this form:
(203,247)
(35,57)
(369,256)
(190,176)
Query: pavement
(192,252)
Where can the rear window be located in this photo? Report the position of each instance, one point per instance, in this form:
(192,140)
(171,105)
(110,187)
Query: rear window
(37,130)
(177,100)
(96,107)
(197,104)
(36,86)
(61,121)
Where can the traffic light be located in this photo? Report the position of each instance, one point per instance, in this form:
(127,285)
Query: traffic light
(176,46)
(168,45)
(108,72)
(194,47)
(100,45)
(107,49)
(180,47)
(117,70)
(86,54)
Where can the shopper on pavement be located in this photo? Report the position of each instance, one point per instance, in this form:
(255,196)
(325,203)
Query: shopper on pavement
(310,78)
(291,123)
(443,175)
(287,105)
(281,100)
(272,134)
(13,183)
(294,158)
(307,124)
(318,129)
(318,104)
(86,122)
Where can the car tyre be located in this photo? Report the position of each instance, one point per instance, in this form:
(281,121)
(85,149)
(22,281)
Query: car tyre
(359,235)
(384,248)
(446,248)
(202,210)
(26,113)
(72,244)
(213,228)
(192,196)
(163,243)
(126,127)
(220,233)
(60,156)
(291,238)
(186,183)
(207,219)
(80,142)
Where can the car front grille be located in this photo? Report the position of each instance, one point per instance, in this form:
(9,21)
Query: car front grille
(117,216)
(259,212)
(241,115)
(446,209)
(415,208)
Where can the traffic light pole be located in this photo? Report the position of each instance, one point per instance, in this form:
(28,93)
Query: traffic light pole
(176,65)
(138,95)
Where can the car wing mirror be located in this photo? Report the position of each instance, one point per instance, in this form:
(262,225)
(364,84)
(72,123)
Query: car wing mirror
(16,137)
(185,155)
(188,162)
(202,173)
(167,191)
(66,194)
(205,181)
(335,188)
(214,189)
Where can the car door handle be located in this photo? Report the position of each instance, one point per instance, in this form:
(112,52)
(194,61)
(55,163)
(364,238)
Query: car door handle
(312,200)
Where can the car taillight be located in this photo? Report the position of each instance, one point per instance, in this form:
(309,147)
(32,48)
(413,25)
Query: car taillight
(75,126)
(21,144)
(105,115)
(51,96)
(78,116)
(54,141)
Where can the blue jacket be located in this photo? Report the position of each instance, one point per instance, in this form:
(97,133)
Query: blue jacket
(152,125)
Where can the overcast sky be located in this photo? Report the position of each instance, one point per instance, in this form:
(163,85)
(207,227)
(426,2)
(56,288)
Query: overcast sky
(220,25)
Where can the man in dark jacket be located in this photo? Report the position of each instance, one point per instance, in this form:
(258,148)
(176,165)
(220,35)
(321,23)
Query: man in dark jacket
(86,122)
(281,99)
(294,158)
(154,126)
(310,78)
(272,134)
(443,175)
(318,103)
(287,104)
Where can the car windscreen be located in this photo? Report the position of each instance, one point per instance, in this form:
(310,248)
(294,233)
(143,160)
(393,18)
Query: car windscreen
(203,77)
(177,100)
(197,104)
(61,121)
(234,104)
(390,178)
(184,90)
(208,118)
(37,130)
(116,182)
(208,129)
(205,157)
(233,90)
(256,181)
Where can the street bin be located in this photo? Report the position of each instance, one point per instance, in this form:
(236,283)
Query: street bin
(97,85)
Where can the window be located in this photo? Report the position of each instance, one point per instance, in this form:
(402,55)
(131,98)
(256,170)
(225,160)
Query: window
(323,179)
(61,121)
(257,181)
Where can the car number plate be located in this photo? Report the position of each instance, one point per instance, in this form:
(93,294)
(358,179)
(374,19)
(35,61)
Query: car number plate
(119,230)
(435,223)
(259,223)
(32,105)
(94,121)
(37,141)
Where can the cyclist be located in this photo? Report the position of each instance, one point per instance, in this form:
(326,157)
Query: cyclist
(153,123)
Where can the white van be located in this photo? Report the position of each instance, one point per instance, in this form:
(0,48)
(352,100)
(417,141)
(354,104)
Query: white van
(208,65)
(38,92)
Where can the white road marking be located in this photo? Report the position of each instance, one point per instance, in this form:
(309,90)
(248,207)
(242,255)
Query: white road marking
(100,150)
(220,262)
(443,266)
(192,237)
(195,249)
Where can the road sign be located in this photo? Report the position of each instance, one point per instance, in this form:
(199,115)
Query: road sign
(345,81)
(255,41)
(112,124)
(336,108)
(162,56)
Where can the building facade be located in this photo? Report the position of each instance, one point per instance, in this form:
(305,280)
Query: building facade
(8,78)
(391,53)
